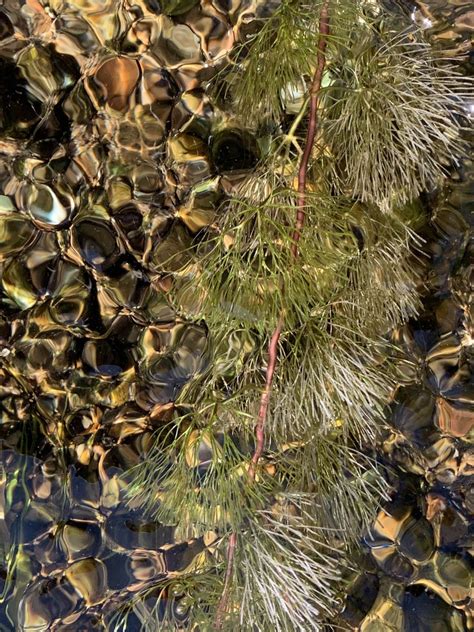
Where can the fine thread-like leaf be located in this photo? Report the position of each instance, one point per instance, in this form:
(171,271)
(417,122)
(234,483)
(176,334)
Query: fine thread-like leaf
(198,481)
(286,572)
(273,60)
(393,117)
(390,126)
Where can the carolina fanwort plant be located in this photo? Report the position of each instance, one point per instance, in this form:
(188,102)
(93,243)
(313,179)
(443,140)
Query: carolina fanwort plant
(305,268)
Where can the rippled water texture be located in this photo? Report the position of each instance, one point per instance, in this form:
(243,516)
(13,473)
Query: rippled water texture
(112,157)
(419,552)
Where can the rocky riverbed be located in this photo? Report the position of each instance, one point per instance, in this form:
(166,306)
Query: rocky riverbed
(112,157)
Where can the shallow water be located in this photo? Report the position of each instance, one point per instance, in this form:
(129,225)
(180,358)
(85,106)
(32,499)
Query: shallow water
(102,178)
(419,569)
(419,552)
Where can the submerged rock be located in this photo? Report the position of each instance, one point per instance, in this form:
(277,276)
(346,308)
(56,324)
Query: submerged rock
(115,157)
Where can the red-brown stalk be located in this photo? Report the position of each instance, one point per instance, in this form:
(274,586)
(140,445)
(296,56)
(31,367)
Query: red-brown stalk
(313,125)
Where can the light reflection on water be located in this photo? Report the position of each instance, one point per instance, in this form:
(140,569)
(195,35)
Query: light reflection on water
(100,351)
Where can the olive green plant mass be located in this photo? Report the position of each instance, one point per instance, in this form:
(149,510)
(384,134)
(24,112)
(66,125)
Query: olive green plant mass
(307,265)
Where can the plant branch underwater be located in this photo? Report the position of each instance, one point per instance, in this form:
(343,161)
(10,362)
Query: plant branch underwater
(323,32)
(317,246)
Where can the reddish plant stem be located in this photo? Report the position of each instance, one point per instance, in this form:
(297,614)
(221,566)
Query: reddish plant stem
(312,124)
(265,399)
(323,30)
(223,603)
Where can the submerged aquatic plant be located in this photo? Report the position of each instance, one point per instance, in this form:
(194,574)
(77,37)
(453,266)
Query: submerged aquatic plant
(247,259)
(199,473)
(310,263)
(287,571)
(392,117)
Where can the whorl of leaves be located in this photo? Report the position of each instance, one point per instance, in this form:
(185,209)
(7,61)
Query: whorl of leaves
(393,118)
(286,573)
(196,477)
(390,124)
(273,60)
(246,272)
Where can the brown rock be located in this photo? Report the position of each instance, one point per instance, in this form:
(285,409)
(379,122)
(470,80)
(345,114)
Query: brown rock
(452,420)
(116,79)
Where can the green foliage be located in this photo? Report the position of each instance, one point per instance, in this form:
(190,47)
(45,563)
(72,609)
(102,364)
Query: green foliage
(390,123)
(346,484)
(326,382)
(331,367)
(286,43)
(286,573)
(285,576)
(393,116)
(246,270)
(196,474)
(272,62)
(185,602)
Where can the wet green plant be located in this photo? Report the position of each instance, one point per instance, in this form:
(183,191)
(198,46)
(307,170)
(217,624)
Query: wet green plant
(246,260)
(285,571)
(393,116)
(346,484)
(270,64)
(180,602)
(199,471)
(307,266)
